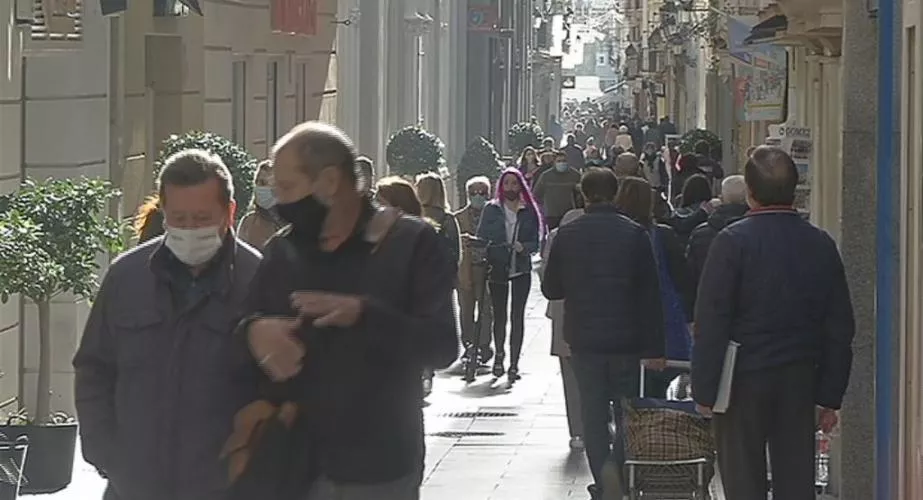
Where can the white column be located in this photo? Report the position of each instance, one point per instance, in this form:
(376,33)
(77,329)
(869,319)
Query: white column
(348,66)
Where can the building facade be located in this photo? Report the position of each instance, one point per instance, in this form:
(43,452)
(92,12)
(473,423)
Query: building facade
(97,95)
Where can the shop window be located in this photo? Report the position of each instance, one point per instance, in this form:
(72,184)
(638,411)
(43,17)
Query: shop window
(239,102)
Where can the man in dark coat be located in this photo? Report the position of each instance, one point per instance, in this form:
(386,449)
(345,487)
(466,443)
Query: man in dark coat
(612,311)
(733,207)
(154,388)
(774,284)
(348,307)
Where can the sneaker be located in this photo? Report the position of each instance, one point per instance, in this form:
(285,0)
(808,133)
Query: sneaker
(576,443)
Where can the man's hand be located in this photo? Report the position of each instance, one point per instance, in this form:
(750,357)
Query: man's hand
(705,411)
(275,347)
(657,365)
(828,419)
(518,247)
(328,309)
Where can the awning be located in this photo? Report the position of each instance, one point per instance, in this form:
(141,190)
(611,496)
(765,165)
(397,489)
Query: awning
(109,7)
(767,30)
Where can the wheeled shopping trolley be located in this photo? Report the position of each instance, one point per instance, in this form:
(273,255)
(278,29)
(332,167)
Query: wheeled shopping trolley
(670,448)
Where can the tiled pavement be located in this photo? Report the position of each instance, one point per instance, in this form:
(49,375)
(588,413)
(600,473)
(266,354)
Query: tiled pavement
(522,455)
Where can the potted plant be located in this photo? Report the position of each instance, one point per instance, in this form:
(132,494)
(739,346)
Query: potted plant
(413,151)
(480,158)
(693,137)
(238,160)
(51,235)
(524,134)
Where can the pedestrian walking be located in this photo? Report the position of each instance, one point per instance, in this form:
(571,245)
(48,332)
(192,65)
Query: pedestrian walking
(602,266)
(573,153)
(560,349)
(155,389)
(512,228)
(693,207)
(774,284)
(733,207)
(635,199)
(473,295)
(554,191)
(431,192)
(260,223)
(349,306)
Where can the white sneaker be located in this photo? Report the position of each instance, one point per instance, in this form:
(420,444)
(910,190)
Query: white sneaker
(576,443)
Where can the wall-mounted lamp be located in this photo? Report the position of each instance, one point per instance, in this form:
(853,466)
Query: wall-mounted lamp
(351,18)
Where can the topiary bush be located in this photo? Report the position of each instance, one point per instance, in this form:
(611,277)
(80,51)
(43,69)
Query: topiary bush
(692,137)
(238,160)
(480,158)
(524,134)
(51,234)
(413,151)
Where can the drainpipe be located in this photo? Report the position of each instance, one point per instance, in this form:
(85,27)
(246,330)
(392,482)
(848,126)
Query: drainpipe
(887,243)
(116,105)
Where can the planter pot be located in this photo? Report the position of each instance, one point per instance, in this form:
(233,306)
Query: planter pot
(50,463)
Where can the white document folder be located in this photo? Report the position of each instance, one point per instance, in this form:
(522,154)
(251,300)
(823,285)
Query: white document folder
(727,379)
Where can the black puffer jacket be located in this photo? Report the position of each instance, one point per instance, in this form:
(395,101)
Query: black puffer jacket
(701,238)
(602,265)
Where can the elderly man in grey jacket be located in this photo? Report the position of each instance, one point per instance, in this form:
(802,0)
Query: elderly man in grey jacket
(155,379)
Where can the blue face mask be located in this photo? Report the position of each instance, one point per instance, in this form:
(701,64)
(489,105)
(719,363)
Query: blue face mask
(477,200)
(560,167)
(264,197)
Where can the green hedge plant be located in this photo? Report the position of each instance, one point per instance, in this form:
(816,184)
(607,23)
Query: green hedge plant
(524,134)
(51,234)
(692,137)
(413,151)
(479,158)
(240,162)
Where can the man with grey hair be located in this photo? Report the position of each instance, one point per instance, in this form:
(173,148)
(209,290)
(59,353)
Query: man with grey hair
(154,391)
(733,207)
(627,165)
(351,302)
(473,292)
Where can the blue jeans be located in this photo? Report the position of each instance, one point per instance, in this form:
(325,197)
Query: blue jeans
(603,379)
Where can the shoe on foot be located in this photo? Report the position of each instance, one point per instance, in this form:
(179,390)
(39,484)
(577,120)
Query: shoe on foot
(513,373)
(576,443)
(499,369)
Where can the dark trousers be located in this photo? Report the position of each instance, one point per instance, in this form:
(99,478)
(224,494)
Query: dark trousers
(571,397)
(773,407)
(604,379)
(516,291)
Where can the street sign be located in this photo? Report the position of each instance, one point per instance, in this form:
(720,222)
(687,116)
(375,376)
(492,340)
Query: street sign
(569,82)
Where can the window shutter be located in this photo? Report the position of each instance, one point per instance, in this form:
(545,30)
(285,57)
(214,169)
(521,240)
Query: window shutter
(57,21)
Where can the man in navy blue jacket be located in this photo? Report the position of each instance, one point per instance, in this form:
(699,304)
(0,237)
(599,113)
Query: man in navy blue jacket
(602,266)
(776,285)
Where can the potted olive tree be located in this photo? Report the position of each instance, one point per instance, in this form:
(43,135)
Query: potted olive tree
(51,235)
(413,151)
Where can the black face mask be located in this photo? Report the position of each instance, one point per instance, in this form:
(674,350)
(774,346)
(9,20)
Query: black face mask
(306,216)
(511,195)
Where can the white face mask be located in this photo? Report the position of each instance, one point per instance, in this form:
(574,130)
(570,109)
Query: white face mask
(193,247)
(264,197)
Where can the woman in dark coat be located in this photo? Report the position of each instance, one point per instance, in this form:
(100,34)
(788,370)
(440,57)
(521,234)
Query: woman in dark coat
(511,224)
(635,199)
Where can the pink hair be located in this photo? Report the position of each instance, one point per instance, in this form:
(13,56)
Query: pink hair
(524,192)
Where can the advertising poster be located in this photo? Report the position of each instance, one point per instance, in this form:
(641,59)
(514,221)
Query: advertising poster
(761,75)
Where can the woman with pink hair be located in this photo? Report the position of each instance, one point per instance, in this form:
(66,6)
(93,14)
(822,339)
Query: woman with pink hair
(511,224)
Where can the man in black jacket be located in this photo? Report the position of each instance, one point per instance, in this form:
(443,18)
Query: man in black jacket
(733,207)
(348,307)
(602,266)
(775,284)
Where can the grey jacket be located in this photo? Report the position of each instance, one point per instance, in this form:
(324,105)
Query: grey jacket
(155,376)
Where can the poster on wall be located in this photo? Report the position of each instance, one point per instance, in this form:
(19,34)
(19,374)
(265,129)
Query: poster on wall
(798,142)
(760,75)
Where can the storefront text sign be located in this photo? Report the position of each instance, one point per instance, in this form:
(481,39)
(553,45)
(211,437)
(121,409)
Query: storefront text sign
(297,17)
